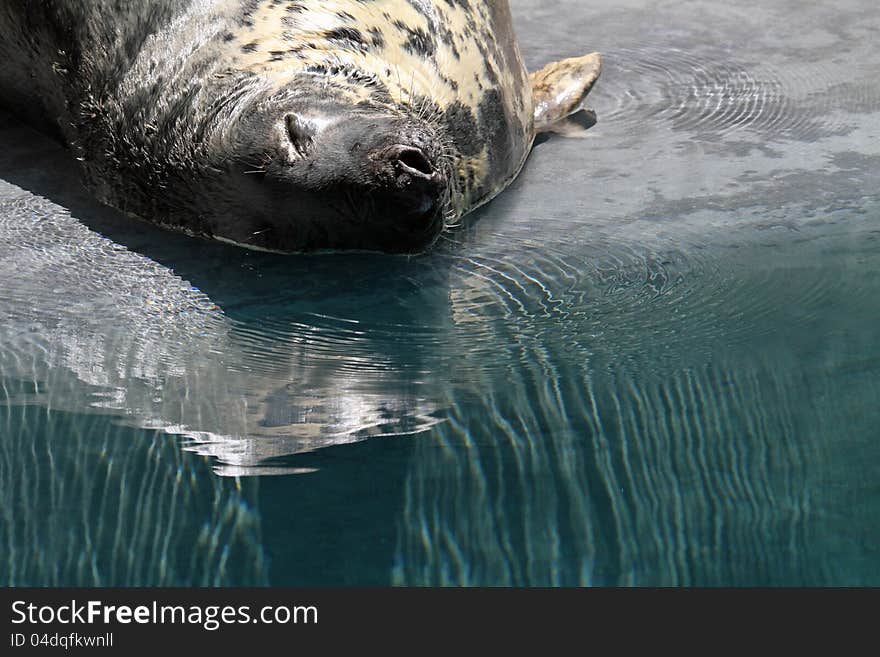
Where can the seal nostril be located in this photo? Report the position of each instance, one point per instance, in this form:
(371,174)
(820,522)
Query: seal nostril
(415,159)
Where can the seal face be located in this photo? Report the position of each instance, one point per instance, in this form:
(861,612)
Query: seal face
(288,125)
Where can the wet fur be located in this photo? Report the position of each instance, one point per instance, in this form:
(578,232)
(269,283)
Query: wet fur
(142,92)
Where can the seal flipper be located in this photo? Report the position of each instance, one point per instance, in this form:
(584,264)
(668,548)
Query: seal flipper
(560,87)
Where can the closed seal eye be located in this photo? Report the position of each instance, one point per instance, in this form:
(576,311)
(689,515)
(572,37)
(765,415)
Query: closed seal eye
(301,133)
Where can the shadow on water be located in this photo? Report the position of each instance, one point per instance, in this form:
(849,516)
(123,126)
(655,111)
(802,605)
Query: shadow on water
(305,351)
(663,372)
(248,357)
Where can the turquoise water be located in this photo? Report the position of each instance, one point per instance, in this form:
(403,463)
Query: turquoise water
(654,360)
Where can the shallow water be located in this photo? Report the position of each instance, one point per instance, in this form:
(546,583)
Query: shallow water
(654,360)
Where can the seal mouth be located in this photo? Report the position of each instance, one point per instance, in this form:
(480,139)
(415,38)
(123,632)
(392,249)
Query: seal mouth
(410,194)
(406,221)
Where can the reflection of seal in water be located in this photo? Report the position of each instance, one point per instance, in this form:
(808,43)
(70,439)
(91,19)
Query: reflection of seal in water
(287,124)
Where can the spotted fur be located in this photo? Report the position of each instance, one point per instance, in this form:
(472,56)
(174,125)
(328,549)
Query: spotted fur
(453,62)
(148,87)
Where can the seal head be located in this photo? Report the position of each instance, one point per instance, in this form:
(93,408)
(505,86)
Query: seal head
(318,174)
(289,126)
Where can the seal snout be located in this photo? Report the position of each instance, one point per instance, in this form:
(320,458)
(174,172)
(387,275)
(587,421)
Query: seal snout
(353,179)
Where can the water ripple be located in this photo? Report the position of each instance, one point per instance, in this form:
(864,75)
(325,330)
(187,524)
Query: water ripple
(714,93)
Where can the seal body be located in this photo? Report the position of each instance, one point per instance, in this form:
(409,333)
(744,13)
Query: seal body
(286,125)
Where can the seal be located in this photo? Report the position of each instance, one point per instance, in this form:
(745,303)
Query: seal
(287,125)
